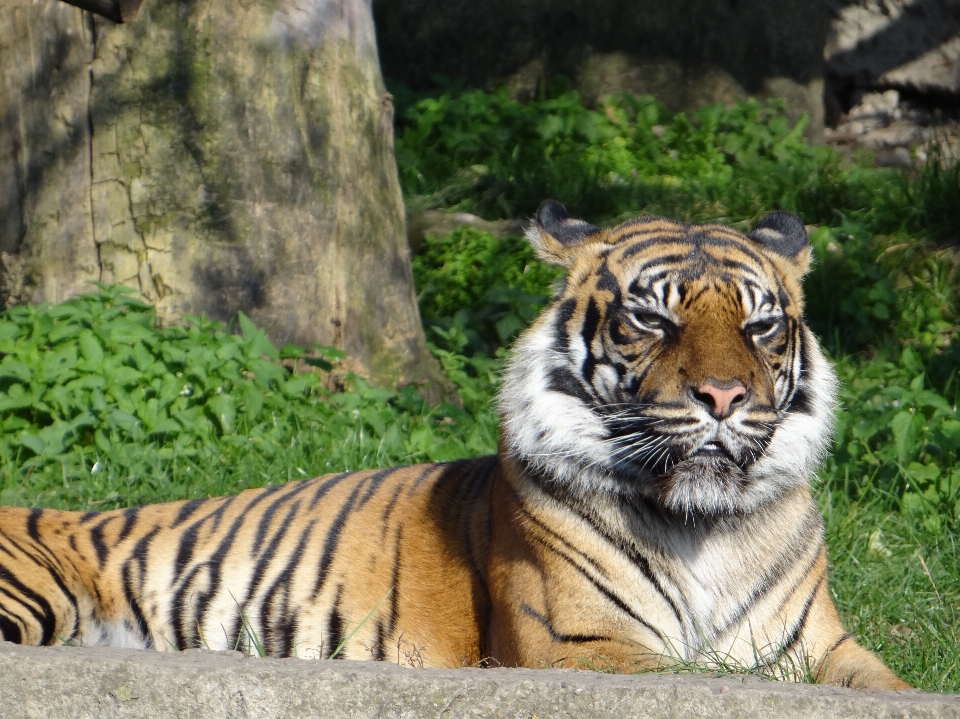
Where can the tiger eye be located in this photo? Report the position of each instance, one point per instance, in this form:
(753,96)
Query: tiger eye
(652,319)
(763,327)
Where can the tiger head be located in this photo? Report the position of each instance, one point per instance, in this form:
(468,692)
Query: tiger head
(673,364)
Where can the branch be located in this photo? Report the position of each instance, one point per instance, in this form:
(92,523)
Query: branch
(118,11)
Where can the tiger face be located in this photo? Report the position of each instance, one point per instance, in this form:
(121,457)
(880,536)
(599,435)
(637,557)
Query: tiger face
(673,364)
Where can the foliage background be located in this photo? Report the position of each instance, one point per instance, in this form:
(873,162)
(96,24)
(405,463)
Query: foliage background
(100,408)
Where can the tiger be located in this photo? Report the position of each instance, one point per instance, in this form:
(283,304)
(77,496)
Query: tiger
(649,504)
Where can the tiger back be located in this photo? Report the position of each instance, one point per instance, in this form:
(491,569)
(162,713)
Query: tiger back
(649,502)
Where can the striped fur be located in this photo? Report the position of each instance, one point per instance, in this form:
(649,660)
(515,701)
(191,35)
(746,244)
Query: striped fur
(649,502)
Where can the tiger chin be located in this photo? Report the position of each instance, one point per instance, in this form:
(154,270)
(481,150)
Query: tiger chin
(648,504)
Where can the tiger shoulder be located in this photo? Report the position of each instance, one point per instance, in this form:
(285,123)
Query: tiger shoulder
(649,502)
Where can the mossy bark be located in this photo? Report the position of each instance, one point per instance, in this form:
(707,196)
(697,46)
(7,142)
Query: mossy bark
(218,157)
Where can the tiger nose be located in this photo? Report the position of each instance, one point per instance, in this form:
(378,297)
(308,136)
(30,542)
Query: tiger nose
(722,401)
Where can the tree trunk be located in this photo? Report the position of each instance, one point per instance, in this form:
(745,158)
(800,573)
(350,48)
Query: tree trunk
(218,157)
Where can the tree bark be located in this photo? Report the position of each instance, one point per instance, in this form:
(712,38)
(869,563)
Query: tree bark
(218,157)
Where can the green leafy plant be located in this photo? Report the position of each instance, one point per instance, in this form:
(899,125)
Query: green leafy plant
(485,153)
(99,407)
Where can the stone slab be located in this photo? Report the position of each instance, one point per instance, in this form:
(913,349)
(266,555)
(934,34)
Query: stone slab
(67,682)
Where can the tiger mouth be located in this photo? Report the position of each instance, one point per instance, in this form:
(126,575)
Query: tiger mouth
(715,454)
(714,449)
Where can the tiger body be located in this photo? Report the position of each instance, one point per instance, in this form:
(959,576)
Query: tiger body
(649,501)
(305,561)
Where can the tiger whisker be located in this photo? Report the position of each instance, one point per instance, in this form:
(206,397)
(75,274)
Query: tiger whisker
(648,449)
(634,448)
(647,461)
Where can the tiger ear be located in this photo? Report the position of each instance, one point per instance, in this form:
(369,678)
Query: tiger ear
(556,237)
(784,233)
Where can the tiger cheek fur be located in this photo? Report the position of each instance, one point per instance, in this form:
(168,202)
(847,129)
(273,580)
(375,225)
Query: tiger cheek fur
(648,503)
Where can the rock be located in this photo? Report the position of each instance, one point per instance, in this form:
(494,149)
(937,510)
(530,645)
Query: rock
(439,222)
(89,682)
(899,133)
(904,44)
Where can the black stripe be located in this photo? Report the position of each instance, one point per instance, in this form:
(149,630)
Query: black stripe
(527,517)
(624,334)
(654,236)
(186,510)
(49,562)
(388,510)
(221,511)
(33,531)
(375,481)
(96,539)
(188,539)
(843,637)
(185,547)
(801,401)
(131,591)
(472,487)
(333,537)
(133,603)
(325,486)
(592,317)
(564,313)
(184,633)
(727,263)
(266,517)
(129,519)
(798,628)
(395,581)
(554,634)
(3,548)
(10,630)
(563,380)
(335,628)
(58,580)
(607,282)
(87,516)
(42,612)
(428,470)
(377,651)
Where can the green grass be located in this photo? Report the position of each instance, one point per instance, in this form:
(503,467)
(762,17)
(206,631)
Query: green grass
(99,408)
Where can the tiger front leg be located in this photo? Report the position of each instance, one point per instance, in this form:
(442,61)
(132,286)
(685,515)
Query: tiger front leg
(547,613)
(850,665)
(532,635)
(834,656)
